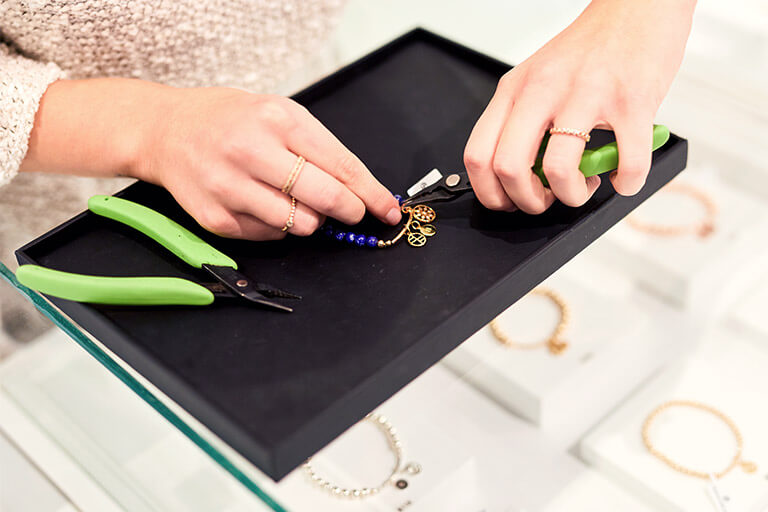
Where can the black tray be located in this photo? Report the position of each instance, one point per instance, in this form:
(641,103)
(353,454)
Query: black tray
(278,387)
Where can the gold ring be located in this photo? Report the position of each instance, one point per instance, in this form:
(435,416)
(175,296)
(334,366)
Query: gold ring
(291,216)
(294,175)
(570,131)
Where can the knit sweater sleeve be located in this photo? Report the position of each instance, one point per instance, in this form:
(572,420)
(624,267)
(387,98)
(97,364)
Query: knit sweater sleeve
(23,82)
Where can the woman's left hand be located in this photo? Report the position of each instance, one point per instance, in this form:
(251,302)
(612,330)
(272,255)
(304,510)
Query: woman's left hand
(611,68)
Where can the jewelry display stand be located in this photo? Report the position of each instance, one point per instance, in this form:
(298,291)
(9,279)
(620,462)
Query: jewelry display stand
(612,347)
(706,272)
(729,375)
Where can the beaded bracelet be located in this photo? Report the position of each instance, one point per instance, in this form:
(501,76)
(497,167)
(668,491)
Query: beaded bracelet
(416,230)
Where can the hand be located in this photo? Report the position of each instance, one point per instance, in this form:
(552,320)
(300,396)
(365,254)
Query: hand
(610,68)
(225,154)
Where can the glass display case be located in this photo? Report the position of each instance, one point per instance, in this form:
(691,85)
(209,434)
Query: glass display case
(631,379)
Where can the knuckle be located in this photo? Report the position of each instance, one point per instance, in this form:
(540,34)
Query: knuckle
(306,227)
(556,166)
(219,222)
(494,202)
(474,161)
(217,185)
(507,82)
(330,197)
(348,168)
(273,112)
(534,209)
(505,169)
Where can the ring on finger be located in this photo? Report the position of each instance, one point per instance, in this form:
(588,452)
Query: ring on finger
(294,175)
(583,135)
(291,216)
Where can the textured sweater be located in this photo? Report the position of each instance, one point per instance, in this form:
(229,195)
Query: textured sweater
(242,43)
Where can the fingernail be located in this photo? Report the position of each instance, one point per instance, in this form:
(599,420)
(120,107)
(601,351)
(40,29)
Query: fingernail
(393,216)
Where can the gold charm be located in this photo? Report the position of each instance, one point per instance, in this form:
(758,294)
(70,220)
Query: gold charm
(414,230)
(416,239)
(423,213)
(428,230)
(556,347)
(748,467)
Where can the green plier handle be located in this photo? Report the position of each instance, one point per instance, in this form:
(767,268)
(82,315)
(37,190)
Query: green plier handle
(602,159)
(133,290)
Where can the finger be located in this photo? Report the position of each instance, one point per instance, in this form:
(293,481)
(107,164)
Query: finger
(481,146)
(314,187)
(563,156)
(273,207)
(516,154)
(251,228)
(228,224)
(635,141)
(318,145)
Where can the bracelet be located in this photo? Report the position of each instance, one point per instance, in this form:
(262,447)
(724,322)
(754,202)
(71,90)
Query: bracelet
(748,467)
(703,228)
(412,468)
(554,342)
(416,230)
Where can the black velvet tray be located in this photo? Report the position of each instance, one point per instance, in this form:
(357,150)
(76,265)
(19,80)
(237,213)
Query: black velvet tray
(278,387)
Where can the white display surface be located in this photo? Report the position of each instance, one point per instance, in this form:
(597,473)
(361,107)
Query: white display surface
(728,374)
(703,274)
(748,313)
(613,346)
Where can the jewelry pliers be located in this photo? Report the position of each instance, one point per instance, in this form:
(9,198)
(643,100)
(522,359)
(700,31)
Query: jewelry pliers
(154,291)
(435,187)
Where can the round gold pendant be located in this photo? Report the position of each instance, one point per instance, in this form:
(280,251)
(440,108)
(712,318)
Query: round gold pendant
(423,213)
(417,239)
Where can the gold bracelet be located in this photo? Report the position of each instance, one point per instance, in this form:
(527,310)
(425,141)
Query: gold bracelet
(748,467)
(554,343)
(703,228)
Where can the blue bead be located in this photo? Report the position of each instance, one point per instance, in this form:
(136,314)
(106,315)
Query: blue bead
(399,198)
(360,240)
(372,241)
(351,238)
(328,230)
(340,236)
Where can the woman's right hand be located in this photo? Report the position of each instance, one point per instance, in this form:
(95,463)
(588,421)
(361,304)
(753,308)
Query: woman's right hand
(225,154)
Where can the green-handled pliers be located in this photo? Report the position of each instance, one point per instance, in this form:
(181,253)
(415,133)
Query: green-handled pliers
(154,291)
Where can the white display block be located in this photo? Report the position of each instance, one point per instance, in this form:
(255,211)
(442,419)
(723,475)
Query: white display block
(361,457)
(703,274)
(729,373)
(613,346)
(748,313)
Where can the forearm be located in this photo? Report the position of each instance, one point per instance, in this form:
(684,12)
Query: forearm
(95,127)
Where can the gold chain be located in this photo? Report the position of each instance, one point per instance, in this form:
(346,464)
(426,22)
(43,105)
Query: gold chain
(748,467)
(702,228)
(554,342)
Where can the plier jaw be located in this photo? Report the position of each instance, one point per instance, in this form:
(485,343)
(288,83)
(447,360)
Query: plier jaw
(448,188)
(235,284)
